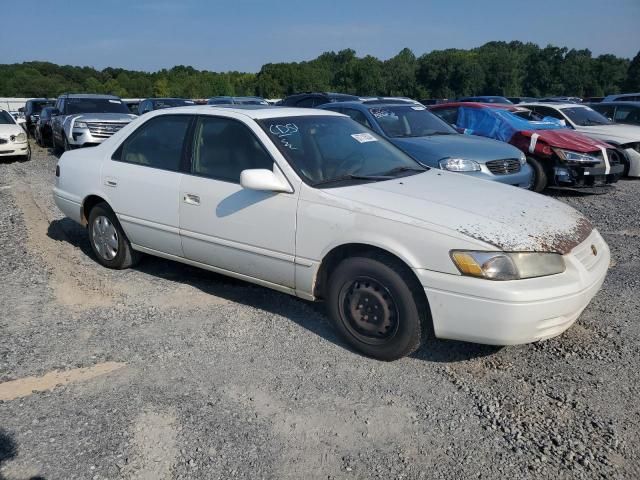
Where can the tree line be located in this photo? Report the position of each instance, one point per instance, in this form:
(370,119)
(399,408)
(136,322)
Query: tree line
(496,68)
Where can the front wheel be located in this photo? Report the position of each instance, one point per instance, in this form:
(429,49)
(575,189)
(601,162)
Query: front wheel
(375,309)
(108,241)
(540,180)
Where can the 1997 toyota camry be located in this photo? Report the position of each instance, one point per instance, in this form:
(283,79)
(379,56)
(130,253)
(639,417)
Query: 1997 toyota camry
(313,204)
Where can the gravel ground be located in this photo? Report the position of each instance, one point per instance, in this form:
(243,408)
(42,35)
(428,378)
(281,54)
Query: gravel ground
(215,378)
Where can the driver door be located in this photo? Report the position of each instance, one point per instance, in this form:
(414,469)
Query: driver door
(226,226)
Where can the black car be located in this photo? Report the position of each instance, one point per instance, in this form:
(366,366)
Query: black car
(42,130)
(32,110)
(619,112)
(151,104)
(311,100)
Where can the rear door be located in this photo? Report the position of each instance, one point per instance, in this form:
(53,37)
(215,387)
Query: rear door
(142,181)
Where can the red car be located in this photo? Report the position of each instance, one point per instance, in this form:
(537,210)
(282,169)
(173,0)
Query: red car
(559,156)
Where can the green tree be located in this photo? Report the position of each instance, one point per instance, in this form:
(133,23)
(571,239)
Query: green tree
(633,75)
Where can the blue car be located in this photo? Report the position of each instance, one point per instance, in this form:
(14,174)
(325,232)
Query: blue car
(432,142)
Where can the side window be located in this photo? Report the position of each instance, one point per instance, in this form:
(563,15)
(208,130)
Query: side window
(449,115)
(548,112)
(225,147)
(159,143)
(358,116)
(623,114)
(308,102)
(606,110)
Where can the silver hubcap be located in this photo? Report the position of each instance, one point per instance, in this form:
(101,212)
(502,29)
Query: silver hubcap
(105,238)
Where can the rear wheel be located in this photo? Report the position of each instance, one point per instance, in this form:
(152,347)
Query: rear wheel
(540,179)
(108,241)
(375,309)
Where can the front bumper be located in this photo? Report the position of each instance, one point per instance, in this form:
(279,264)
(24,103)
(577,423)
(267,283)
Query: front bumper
(519,179)
(84,138)
(14,149)
(519,311)
(577,176)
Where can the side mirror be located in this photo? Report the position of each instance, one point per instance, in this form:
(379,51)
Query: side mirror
(263,180)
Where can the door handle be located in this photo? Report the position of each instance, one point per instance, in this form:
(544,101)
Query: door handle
(110,182)
(191,199)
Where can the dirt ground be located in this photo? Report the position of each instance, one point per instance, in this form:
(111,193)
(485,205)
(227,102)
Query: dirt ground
(168,372)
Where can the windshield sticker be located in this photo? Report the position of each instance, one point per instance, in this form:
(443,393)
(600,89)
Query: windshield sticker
(364,137)
(418,108)
(284,131)
(115,101)
(380,113)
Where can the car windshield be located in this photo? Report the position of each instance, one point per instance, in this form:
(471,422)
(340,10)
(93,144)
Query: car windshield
(6,118)
(96,105)
(36,107)
(334,150)
(585,117)
(409,121)
(171,102)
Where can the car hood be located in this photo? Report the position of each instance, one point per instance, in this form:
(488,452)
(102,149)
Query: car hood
(509,218)
(570,140)
(10,129)
(105,117)
(615,133)
(430,149)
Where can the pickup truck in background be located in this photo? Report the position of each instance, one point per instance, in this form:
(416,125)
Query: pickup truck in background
(82,120)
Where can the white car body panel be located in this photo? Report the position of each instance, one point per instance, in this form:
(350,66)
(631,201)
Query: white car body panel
(616,134)
(9,144)
(279,240)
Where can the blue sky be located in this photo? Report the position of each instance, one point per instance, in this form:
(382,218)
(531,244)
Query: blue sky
(244,34)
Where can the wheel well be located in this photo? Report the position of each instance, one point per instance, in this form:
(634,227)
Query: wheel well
(335,256)
(90,202)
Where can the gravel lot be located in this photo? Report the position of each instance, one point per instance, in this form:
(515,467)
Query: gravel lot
(194,375)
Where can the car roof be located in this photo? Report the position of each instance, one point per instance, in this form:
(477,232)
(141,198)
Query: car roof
(617,103)
(256,112)
(90,95)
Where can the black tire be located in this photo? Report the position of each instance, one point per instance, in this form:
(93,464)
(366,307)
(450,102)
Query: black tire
(65,145)
(405,318)
(125,256)
(540,179)
(54,145)
(27,157)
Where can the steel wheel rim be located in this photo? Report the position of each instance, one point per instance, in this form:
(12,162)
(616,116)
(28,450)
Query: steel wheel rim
(104,237)
(369,310)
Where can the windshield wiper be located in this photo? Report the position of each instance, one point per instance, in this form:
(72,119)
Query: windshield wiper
(352,176)
(396,170)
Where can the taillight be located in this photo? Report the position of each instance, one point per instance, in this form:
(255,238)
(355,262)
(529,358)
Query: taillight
(57,170)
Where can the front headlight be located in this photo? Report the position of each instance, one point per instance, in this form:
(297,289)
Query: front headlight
(570,156)
(523,158)
(21,138)
(459,165)
(80,125)
(507,266)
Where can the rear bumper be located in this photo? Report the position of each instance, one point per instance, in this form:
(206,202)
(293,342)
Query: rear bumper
(520,311)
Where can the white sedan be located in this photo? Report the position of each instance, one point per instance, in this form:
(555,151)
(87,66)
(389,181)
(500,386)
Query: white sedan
(311,203)
(13,138)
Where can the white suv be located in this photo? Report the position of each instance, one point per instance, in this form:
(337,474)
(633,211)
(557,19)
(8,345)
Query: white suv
(313,204)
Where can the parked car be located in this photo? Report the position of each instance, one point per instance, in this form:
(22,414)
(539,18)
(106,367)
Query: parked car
(32,109)
(485,99)
(82,120)
(559,156)
(559,100)
(619,112)
(623,97)
(133,106)
(225,100)
(313,204)
(13,138)
(433,143)
(517,100)
(311,100)
(584,119)
(42,132)
(149,104)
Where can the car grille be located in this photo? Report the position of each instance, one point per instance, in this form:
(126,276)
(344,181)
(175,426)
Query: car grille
(504,167)
(104,129)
